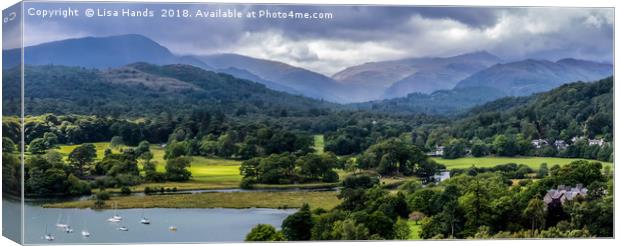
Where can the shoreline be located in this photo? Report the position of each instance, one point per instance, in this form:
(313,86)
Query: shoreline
(240,200)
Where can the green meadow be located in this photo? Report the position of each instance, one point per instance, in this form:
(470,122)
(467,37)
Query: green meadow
(490,161)
(207,173)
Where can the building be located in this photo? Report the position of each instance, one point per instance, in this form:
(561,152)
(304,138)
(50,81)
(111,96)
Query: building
(560,144)
(575,139)
(565,193)
(598,142)
(438,151)
(539,143)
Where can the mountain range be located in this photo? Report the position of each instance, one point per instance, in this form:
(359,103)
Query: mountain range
(405,80)
(98,52)
(397,78)
(526,77)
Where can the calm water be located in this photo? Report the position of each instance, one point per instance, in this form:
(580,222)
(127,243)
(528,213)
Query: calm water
(193,225)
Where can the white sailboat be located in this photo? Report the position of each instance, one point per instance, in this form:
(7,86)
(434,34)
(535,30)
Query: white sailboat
(85,232)
(60,225)
(68,228)
(116,218)
(144,220)
(48,236)
(172,228)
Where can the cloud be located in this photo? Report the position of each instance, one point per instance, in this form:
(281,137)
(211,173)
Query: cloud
(359,34)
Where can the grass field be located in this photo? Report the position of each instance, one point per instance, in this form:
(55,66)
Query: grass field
(319,143)
(207,173)
(489,161)
(415,230)
(66,149)
(326,200)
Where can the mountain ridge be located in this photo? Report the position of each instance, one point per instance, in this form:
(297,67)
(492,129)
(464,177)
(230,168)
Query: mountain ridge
(529,76)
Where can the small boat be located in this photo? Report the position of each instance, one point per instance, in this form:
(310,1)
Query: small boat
(113,220)
(116,218)
(145,221)
(48,236)
(60,225)
(123,228)
(68,229)
(85,232)
(172,228)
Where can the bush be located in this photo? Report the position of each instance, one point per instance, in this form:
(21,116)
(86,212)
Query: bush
(247,183)
(263,232)
(125,190)
(99,204)
(102,195)
(360,181)
(330,177)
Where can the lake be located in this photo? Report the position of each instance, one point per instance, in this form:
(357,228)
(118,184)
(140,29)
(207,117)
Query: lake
(193,225)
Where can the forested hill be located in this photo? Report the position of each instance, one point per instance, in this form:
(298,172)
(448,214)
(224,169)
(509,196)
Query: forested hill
(571,110)
(141,89)
(442,102)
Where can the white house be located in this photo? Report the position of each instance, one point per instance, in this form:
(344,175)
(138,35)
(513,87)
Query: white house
(560,144)
(598,142)
(438,151)
(539,143)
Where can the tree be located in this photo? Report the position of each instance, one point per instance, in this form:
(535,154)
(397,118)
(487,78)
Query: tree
(363,181)
(394,156)
(298,226)
(37,146)
(505,145)
(454,149)
(479,148)
(81,157)
(451,210)
(416,216)
(116,142)
(51,140)
(176,149)
(543,171)
(349,230)
(402,230)
(143,147)
(535,212)
(8,146)
(176,169)
(263,232)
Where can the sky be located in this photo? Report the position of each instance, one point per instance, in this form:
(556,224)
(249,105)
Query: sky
(355,35)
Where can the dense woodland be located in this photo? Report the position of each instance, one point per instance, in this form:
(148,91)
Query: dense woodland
(216,115)
(470,205)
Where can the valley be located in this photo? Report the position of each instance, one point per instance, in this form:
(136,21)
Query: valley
(395,149)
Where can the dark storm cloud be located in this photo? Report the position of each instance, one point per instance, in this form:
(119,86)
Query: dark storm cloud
(356,34)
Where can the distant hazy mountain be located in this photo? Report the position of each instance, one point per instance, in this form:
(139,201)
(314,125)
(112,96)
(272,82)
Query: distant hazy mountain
(98,52)
(309,83)
(441,102)
(398,78)
(530,76)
